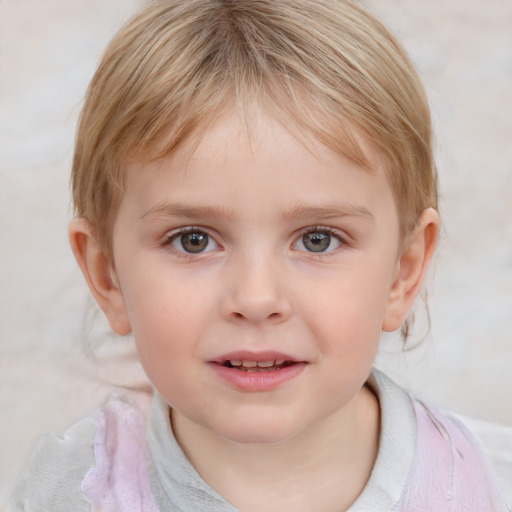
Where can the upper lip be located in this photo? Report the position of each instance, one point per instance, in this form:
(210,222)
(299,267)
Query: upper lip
(258,357)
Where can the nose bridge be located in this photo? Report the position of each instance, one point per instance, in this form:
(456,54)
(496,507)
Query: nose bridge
(256,291)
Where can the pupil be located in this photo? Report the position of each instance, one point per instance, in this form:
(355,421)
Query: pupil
(318,241)
(194,242)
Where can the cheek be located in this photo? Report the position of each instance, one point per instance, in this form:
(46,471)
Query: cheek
(166,329)
(169,316)
(357,299)
(156,297)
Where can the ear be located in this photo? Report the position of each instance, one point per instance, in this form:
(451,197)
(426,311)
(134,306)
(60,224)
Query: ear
(411,269)
(99,274)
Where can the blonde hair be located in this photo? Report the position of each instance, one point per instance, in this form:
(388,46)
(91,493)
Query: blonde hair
(326,66)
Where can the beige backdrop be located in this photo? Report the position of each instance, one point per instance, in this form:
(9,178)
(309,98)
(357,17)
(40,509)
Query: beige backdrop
(49,49)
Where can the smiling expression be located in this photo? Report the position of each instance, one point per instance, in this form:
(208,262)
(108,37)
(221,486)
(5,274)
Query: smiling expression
(255,274)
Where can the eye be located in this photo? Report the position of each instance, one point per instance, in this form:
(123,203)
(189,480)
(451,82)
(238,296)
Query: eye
(319,240)
(191,241)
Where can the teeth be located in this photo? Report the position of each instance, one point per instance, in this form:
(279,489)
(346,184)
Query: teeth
(254,365)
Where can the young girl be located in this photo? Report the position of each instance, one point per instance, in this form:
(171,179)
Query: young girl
(256,202)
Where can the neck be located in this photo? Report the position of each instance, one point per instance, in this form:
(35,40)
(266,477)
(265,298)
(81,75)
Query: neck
(337,455)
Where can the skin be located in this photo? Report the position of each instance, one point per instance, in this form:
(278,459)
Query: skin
(252,192)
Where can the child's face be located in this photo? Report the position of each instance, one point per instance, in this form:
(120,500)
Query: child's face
(251,249)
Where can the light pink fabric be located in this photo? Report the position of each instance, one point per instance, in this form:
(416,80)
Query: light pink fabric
(449,471)
(120,480)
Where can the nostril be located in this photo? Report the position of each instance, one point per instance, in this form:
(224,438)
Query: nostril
(272,316)
(253,307)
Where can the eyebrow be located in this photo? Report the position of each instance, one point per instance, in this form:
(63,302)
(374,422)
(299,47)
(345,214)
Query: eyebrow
(327,212)
(165,210)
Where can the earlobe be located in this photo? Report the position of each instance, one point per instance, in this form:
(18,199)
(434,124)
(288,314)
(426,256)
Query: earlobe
(411,269)
(99,274)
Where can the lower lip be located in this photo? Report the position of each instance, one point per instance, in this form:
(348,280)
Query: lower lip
(258,381)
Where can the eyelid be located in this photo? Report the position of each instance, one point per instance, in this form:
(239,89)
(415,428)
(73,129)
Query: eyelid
(332,231)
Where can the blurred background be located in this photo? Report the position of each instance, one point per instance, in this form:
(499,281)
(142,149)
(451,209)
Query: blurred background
(57,359)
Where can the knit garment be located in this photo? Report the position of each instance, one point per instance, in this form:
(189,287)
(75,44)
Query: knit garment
(120,480)
(449,472)
(121,461)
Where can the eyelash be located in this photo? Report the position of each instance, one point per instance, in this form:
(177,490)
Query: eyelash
(330,231)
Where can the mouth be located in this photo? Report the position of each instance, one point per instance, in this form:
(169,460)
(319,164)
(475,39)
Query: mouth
(249,371)
(257,366)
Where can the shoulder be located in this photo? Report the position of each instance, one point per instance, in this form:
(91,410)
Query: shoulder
(444,462)
(100,457)
(457,467)
(120,479)
(51,480)
(496,442)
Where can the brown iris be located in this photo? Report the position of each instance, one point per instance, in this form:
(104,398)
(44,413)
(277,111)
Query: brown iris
(317,241)
(194,242)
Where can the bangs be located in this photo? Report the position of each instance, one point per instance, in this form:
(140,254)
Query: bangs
(327,70)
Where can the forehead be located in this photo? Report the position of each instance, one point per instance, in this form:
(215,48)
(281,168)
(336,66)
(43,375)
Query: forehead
(256,167)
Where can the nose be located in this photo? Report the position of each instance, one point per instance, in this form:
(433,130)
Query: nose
(256,292)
